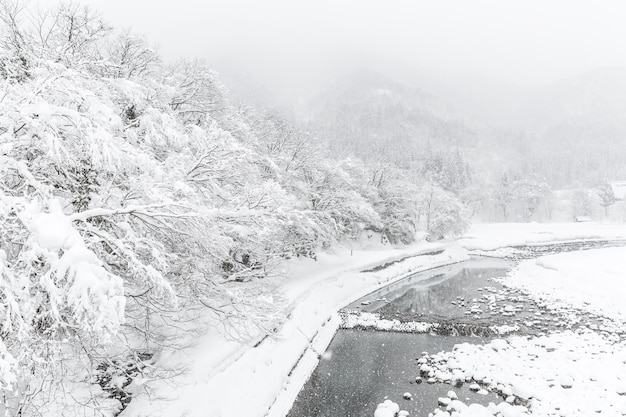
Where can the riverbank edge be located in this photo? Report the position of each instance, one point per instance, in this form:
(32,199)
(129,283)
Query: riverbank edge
(225,377)
(310,357)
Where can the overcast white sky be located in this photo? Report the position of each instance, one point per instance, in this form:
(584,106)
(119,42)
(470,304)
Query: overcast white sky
(524,41)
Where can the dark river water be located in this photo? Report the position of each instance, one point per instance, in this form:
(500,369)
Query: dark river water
(362,368)
(441,294)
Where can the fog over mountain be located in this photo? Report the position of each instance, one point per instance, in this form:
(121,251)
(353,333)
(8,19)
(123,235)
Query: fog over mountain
(283,44)
(594,101)
(472,96)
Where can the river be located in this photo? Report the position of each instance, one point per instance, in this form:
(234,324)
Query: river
(365,365)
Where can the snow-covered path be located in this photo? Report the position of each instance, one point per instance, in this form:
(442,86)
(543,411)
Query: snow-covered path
(227,378)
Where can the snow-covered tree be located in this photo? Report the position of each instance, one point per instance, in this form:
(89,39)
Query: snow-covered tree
(581,203)
(397,203)
(447,169)
(527,196)
(607,197)
(443,214)
(128,56)
(194,92)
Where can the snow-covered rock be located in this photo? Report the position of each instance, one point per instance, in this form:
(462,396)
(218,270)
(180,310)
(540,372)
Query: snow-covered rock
(387,409)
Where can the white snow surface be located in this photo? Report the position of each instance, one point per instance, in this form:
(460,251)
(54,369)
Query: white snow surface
(592,280)
(387,409)
(460,409)
(225,377)
(562,374)
(492,236)
(373,321)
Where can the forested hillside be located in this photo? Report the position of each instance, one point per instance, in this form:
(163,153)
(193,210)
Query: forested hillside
(136,199)
(388,123)
(552,162)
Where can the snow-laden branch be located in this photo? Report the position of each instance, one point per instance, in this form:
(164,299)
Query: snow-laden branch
(134,209)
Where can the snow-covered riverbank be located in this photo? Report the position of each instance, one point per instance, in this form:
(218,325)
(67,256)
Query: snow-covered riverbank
(592,280)
(568,373)
(225,377)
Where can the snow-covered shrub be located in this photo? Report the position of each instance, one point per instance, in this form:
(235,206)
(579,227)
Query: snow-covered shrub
(397,204)
(443,213)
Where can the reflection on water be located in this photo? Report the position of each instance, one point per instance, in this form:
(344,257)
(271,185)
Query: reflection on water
(364,368)
(445,293)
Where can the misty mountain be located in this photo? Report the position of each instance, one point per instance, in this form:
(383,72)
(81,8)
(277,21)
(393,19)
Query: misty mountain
(576,128)
(591,106)
(477,99)
(383,119)
(375,117)
(567,134)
